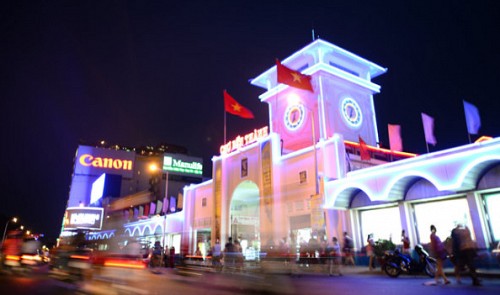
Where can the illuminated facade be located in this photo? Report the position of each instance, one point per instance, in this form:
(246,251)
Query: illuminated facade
(115,192)
(304,175)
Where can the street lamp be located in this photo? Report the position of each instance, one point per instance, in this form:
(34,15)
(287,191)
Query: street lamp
(6,226)
(154,168)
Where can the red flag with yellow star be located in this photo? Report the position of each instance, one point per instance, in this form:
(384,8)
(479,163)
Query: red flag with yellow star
(293,78)
(233,107)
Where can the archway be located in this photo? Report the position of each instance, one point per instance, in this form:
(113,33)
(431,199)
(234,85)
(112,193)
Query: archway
(245,218)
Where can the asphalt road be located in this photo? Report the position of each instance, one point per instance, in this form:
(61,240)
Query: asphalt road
(191,282)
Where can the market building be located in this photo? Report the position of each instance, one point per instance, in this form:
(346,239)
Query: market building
(304,175)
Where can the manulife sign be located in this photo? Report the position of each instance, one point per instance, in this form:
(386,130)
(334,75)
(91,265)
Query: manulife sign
(180,164)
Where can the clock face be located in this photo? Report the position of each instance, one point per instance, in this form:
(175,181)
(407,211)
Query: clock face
(294,116)
(351,112)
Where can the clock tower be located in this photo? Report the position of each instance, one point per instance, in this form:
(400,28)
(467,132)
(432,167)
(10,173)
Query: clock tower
(342,101)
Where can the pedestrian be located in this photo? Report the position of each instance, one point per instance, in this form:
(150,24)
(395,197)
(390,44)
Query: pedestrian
(348,250)
(465,252)
(313,248)
(216,253)
(293,254)
(229,253)
(439,252)
(370,251)
(165,256)
(171,257)
(406,242)
(198,253)
(334,258)
(239,259)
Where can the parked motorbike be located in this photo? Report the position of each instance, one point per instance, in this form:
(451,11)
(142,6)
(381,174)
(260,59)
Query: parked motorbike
(397,263)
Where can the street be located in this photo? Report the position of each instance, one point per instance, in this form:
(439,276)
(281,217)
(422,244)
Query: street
(174,281)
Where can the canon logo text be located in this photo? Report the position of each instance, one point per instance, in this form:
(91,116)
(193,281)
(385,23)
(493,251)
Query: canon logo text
(98,162)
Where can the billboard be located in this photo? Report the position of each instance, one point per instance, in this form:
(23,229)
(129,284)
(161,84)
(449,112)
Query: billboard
(182,165)
(83,218)
(107,185)
(96,161)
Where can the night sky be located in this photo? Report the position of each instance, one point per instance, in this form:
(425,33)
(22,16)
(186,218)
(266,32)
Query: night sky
(141,73)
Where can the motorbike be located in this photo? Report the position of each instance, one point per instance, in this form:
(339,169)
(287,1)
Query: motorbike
(396,263)
(71,264)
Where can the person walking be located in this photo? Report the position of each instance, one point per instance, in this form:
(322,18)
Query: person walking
(313,247)
(334,257)
(348,250)
(439,252)
(171,256)
(465,252)
(216,255)
(406,242)
(293,254)
(370,251)
(229,254)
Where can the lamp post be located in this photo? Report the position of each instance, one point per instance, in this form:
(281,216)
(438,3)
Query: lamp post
(6,226)
(155,169)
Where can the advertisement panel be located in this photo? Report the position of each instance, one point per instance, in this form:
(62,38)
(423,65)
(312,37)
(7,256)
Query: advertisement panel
(96,161)
(83,218)
(182,165)
(107,185)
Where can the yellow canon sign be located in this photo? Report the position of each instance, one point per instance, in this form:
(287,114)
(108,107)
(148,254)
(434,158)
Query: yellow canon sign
(88,160)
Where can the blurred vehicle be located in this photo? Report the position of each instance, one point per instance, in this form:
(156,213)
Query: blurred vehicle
(31,253)
(155,256)
(119,271)
(74,264)
(11,249)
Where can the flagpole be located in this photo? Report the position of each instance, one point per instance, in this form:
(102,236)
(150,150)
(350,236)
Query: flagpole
(427,145)
(225,126)
(315,154)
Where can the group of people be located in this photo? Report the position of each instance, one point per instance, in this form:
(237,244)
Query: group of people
(336,253)
(463,252)
(232,254)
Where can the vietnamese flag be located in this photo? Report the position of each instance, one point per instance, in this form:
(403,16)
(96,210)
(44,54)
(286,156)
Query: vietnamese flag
(363,150)
(233,107)
(293,78)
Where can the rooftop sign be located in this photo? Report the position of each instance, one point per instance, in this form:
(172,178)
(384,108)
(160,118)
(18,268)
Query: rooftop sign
(241,141)
(183,165)
(96,161)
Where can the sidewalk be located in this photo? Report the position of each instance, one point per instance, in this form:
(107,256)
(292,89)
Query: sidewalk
(279,267)
(321,269)
(363,270)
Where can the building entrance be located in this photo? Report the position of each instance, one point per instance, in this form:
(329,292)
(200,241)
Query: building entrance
(245,218)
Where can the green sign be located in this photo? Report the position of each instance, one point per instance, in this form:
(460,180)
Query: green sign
(182,164)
